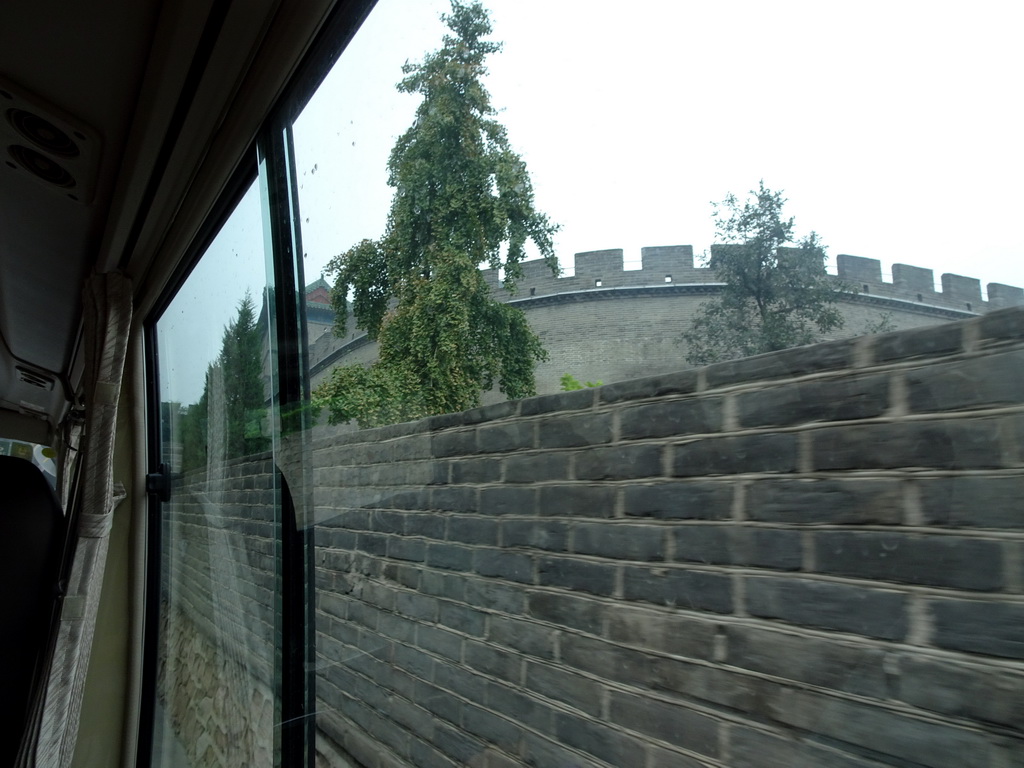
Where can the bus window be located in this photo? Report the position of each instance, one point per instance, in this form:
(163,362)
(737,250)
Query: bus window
(216,698)
(723,533)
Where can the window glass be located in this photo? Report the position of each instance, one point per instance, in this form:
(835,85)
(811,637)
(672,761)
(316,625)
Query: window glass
(675,554)
(218,696)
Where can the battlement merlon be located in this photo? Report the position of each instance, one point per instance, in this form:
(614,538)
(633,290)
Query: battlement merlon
(675,264)
(1000,296)
(606,269)
(918,284)
(666,258)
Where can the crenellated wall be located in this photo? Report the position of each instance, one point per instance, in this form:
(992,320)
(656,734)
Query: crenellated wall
(606,323)
(674,264)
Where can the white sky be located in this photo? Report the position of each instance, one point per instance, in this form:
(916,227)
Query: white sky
(894,128)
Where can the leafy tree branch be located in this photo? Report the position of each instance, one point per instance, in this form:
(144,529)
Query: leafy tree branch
(777,293)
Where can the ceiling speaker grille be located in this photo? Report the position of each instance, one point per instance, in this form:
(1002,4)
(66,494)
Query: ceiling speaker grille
(41,166)
(46,145)
(41,132)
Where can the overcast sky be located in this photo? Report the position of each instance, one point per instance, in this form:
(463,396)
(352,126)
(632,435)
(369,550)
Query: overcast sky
(894,129)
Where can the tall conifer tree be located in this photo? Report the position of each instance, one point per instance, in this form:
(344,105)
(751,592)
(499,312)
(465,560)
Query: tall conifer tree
(241,360)
(462,198)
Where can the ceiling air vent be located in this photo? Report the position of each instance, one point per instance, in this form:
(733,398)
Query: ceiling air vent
(42,143)
(34,379)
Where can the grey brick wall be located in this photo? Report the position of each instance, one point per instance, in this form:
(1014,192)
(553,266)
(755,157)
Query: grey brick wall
(811,558)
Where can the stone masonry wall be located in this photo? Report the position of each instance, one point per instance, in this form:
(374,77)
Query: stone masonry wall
(809,558)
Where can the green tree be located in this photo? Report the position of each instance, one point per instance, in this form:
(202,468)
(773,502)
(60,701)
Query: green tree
(774,296)
(462,198)
(238,372)
(194,426)
(241,361)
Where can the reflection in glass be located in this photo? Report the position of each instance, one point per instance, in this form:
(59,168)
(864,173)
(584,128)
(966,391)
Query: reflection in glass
(629,582)
(217,703)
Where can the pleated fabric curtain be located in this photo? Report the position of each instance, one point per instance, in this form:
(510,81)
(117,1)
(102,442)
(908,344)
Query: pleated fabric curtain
(107,308)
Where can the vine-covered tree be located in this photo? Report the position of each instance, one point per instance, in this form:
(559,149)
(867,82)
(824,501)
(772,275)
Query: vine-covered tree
(775,296)
(462,198)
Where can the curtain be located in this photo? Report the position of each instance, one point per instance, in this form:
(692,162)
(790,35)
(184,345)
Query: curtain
(107,311)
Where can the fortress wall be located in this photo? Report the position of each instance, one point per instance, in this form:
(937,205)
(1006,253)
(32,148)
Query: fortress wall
(917,284)
(595,335)
(909,283)
(614,334)
(808,558)
(615,339)
(612,339)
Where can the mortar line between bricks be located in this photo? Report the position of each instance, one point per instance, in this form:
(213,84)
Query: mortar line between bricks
(553,704)
(674,440)
(942,416)
(745,570)
(716,618)
(709,708)
(616,408)
(710,618)
(723,712)
(556,705)
(973,532)
(900,473)
(836,373)
(938,654)
(758,385)
(993,534)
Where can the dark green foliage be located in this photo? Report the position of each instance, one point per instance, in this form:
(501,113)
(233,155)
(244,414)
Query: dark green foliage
(235,382)
(462,198)
(371,396)
(193,437)
(570,383)
(775,297)
(241,363)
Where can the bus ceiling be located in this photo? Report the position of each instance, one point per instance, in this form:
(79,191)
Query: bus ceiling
(120,123)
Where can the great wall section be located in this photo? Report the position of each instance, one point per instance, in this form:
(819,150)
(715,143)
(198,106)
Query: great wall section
(607,323)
